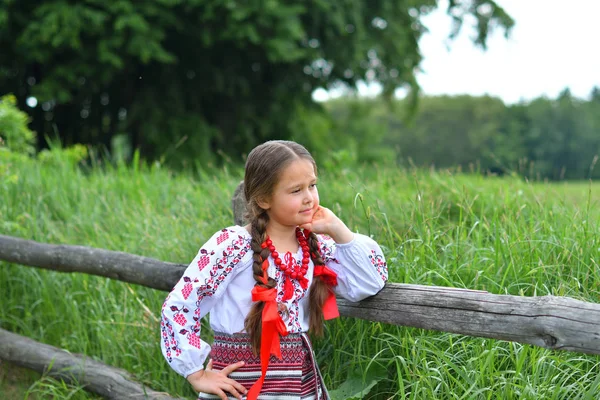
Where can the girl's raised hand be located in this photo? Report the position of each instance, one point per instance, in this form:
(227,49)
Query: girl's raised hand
(326,222)
(217,382)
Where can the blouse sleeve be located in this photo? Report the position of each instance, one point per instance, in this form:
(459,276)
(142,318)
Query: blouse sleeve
(193,297)
(359,264)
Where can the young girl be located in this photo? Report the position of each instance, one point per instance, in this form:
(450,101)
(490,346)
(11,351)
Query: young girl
(266,284)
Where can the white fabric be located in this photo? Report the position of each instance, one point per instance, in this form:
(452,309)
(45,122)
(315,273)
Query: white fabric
(219,279)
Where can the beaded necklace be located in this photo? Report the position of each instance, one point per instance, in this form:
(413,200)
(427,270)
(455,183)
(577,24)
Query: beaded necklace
(291,270)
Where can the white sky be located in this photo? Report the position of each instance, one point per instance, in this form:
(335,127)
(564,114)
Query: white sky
(551,47)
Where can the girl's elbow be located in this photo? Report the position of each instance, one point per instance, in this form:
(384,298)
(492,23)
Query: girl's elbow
(367,291)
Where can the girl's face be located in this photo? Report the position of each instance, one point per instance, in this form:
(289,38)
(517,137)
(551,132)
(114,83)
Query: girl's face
(295,198)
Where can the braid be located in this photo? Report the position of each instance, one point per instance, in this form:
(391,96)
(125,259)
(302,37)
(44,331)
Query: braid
(253,322)
(259,235)
(319,290)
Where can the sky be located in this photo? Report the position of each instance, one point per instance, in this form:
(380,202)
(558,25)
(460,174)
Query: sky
(553,45)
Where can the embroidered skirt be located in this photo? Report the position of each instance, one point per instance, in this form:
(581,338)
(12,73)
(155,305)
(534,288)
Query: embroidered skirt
(295,377)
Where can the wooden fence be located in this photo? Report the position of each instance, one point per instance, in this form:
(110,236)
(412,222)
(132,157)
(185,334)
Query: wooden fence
(558,323)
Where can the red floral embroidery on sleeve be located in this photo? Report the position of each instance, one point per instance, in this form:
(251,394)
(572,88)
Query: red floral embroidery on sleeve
(379,263)
(221,265)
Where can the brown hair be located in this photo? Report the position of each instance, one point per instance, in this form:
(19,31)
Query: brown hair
(263,168)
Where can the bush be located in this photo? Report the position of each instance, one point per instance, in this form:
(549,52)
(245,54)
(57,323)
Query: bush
(14,131)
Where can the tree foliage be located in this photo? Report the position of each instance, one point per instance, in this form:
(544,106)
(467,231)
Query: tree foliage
(189,78)
(545,138)
(15,135)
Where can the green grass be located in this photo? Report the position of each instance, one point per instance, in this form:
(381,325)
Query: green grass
(502,235)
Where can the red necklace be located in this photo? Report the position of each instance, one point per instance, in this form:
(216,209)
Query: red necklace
(291,270)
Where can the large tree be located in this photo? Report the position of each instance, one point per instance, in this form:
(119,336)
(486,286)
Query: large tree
(198,76)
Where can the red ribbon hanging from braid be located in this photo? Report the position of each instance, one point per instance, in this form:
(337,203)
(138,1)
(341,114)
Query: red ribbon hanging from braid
(330,307)
(265,277)
(272,327)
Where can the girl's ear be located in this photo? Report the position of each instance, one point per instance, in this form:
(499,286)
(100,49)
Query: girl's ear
(263,203)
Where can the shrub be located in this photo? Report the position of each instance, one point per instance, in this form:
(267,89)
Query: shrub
(14,131)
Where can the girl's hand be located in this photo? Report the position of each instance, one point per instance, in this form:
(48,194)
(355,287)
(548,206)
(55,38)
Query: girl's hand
(217,382)
(326,222)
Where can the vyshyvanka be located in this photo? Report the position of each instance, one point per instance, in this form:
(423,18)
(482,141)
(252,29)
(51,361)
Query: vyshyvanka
(220,280)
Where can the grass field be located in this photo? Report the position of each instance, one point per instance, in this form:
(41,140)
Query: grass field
(502,235)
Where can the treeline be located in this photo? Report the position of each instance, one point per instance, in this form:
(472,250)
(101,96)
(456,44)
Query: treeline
(192,82)
(542,139)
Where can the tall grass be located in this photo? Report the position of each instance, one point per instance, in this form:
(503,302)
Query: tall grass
(502,235)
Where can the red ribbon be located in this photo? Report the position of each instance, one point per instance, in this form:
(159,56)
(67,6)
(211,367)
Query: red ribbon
(265,277)
(330,308)
(272,327)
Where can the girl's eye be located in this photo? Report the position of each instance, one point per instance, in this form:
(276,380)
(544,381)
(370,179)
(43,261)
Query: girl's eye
(314,185)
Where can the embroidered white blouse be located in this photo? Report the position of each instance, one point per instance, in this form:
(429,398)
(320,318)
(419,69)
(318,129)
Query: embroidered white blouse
(219,280)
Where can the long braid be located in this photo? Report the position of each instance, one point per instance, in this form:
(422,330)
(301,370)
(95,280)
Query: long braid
(319,290)
(253,322)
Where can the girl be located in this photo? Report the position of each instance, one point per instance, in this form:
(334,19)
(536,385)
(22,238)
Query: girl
(266,284)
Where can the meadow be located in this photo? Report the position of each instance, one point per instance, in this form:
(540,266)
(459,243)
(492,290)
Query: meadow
(500,234)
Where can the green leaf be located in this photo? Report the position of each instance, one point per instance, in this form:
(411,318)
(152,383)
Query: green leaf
(357,386)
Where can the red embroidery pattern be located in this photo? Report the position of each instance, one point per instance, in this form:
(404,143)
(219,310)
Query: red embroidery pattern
(379,263)
(229,349)
(187,288)
(180,318)
(291,319)
(222,237)
(294,376)
(193,340)
(204,260)
(221,266)
(169,340)
(326,251)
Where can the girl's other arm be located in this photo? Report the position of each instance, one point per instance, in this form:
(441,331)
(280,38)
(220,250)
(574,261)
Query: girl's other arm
(191,299)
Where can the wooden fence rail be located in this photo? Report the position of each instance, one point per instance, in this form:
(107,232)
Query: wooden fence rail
(559,323)
(110,382)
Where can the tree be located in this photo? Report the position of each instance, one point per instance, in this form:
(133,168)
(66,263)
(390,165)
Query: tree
(197,76)
(455,130)
(560,138)
(595,94)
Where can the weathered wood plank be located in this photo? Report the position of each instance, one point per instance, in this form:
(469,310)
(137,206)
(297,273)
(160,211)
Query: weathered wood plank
(110,382)
(125,267)
(238,204)
(558,323)
(553,322)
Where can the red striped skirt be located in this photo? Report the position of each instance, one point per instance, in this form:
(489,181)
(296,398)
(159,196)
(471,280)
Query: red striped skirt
(295,376)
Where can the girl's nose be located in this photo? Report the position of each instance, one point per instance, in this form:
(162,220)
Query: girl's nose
(308,198)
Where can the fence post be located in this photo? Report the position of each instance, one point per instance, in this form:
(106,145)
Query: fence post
(238,203)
